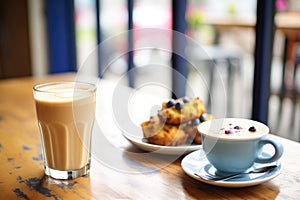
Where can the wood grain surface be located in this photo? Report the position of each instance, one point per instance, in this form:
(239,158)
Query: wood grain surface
(22,172)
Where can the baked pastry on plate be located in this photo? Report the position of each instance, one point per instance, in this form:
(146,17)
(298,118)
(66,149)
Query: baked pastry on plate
(176,123)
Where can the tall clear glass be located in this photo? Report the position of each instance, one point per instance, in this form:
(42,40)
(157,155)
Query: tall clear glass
(65,113)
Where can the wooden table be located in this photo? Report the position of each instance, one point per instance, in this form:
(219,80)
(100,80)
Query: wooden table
(22,171)
(285,21)
(288,23)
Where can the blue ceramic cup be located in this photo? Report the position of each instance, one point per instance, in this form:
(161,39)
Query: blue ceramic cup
(235,144)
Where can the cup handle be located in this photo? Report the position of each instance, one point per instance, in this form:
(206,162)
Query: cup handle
(278,150)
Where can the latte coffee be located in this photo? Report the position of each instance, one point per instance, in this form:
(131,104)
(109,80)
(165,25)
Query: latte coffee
(65,113)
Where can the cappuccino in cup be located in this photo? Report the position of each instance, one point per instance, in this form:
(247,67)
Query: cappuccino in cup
(233,144)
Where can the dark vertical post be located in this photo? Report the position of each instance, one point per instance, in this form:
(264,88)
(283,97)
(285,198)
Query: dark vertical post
(178,47)
(130,66)
(99,38)
(263,59)
(61,35)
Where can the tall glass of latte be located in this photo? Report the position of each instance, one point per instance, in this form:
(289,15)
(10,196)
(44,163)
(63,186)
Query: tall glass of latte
(65,113)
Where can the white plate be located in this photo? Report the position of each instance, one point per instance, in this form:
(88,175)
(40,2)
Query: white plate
(195,161)
(170,150)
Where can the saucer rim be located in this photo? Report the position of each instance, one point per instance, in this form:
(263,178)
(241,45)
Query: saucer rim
(226,183)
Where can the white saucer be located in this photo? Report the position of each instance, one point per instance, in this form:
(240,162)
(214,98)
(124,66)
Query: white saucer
(170,150)
(195,161)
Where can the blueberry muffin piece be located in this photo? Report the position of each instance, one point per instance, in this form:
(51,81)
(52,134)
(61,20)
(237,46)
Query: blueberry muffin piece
(181,110)
(159,133)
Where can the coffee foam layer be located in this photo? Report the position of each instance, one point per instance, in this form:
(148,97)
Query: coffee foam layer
(233,128)
(62,93)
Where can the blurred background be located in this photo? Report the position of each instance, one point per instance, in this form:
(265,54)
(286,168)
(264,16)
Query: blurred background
(30,45)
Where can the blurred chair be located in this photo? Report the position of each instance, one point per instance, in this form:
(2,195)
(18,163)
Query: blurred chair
(216,56)
(290,82)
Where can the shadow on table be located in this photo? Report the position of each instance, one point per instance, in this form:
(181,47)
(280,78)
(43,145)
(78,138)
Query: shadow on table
(201,190)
